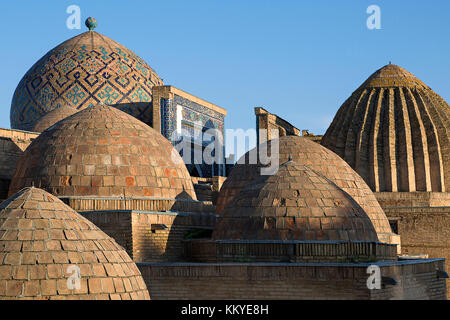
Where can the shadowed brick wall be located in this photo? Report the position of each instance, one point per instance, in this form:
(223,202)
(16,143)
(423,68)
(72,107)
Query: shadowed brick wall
(424,230)
(416,280)
(150,236)
(12,145)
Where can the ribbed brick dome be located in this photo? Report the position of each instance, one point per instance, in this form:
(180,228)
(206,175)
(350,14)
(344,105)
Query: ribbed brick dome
(103,152)
(296,203)
(394,131)
(49,119)
(43,242)
(81,72)
(322,161)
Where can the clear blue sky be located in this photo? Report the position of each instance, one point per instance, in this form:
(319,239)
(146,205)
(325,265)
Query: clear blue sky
(299,59)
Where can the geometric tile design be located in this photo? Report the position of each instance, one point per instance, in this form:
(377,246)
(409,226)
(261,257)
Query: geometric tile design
(81,72)
(43,242)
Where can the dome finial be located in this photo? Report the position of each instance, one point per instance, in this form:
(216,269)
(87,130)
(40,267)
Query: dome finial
(91,23)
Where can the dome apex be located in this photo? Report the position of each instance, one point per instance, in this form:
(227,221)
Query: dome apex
(91,23)
(392,75)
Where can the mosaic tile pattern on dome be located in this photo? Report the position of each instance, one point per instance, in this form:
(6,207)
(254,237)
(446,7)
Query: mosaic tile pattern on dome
(81,72)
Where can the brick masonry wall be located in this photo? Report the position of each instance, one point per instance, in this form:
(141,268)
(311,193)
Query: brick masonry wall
(143,234)
(12,145)
(417,280)
(424,231)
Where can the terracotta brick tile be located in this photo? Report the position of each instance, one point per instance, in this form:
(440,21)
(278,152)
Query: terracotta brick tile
(62,287)
(20,273)
(14,288)
(48,287)
(74,257)
(40,235)
(98,270)
(118,284)
(5,272)
(37,272)
(41,224)
(53,245)
(95,285)
(2,288)
(31,288)
(13,258)
(44,257)
(107,285)
(60,257)
(54,271)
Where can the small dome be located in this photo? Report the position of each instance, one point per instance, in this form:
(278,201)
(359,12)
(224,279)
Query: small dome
(393,131)
(42,244)
(81,72)
(49,119)
(104,152)
(296,203)
(322,161)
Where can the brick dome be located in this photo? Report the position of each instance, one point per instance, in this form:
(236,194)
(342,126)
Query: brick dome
(103,152)
(393,131)
(322,161)
(42,242)
(296,203)
(81,72)
(49,119)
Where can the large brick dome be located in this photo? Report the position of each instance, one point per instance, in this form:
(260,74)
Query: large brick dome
(43,244)
(394,131)
(296,203)
(81,72)
(321,160)
(103,152)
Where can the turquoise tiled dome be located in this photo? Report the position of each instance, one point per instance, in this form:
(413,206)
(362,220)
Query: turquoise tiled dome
(81,72)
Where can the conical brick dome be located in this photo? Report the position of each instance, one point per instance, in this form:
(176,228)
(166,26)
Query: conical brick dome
(103,152)
(43,245)
(394,131)
(296,203)
(81,72)
(322,161)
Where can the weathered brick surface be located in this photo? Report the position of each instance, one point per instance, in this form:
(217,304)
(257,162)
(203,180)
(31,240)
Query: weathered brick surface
(50,118)
(142,233)
(424,230)
(319,159)
(41,237)
(295,203)
(416,280)
(12,145)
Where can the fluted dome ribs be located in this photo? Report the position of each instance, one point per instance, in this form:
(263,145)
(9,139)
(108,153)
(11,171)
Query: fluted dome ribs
(393,132)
